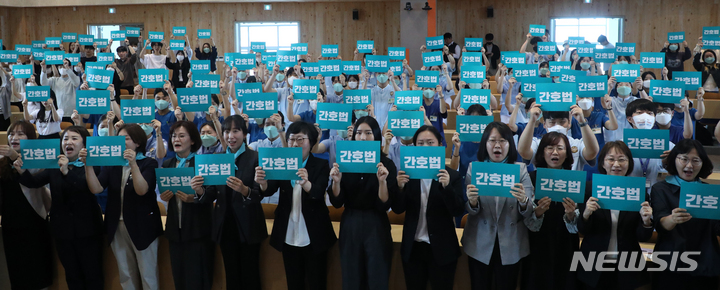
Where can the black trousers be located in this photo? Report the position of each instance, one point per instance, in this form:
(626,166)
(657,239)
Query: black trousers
(482,276)
(4,123)
(83,263)
(422,267)
(682,280)
(242,260)
(365,250)
(51,136)
(304,269)
(192,263)
(29,256)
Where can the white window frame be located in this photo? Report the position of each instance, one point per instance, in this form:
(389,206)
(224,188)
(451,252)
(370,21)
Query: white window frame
(553,27)
(121,26)
(278,24)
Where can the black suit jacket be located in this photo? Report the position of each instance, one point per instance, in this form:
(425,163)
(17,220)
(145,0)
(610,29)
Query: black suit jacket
(75,212)
(196,217)
(314,210)
(141,214)
(444,203)
(248,212)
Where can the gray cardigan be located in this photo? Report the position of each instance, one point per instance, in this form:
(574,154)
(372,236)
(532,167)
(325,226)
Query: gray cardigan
(5,94)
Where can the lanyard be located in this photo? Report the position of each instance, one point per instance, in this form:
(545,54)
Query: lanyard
(645,165)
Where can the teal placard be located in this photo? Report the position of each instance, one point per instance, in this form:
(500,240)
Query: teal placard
(711,42)
(365,46)
(132,32)
(377,63)
(244,61)
(105,57)
(422,162)
(359,99)
(537,30)
(37,93)
(286,58)
(38,54)
(194,99)
(700,200)
(591,86)
(473,44)
(525,70)
(155,36)
(690,78)
(396,67)
(357,156)
(175,179)
(426,78)
(280,163)
(334,116)
(40,153)
(495,179)
(667,91)
(546,48)
(204,33)
(472,58)
(652,59)
(69,37)
(299,48)
(625,193)
(557,66)
(92,102)
(396,53)
(118,35)
(257,46)
(408,100)
(53,41)
(558,184)
(74,58)
(22,71)
(101,42)
(512,58)
(556,96)
(260,105)
(586,50)
(676,37)
(54,57)
(473,73)
(310,68)
(352,67)
(35,43)
(432,58)
(208,81)
(105,151)
(270,62)
(625,48)
(604,55)
(243,89)
(264,56)
(94,65)
(23,49)
(711,31)
(216,168)
(99,78)
(154,78)
(86,39)
(575,40)
(177,44)
(405,123)
(10,56)
(529,85)
(645,143)
(179,30)
(471,128)
(434,42)
(137,111)
(200,67)
(469,97)
(330,68)
(570,75)
(229,57)
(626,72)
(306,89)
(329,50)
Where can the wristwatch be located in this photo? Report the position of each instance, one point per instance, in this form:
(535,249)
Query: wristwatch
(583,124)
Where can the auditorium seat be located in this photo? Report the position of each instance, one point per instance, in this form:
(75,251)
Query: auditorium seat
(335,213)
(463,221)
(396,219)
(269,210)
(163,212)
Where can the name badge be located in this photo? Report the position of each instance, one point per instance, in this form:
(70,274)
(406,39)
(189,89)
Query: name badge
(433,118)
(391,101)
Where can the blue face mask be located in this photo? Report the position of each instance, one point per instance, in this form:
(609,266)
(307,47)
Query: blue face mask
(622,62)
(397,82)
(475,85)
(382,78)
(709,60)
(208,140)
(161,104)
(103,132)
(544,71)
(360,113)
(242,75)
(428,94)
(337,87)
(271,132)
(673,47)
(342,133)
(147,128)
(585,65)
(624,91)
(279,77)
(206,50)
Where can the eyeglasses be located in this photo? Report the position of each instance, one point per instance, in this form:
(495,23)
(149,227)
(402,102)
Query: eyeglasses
(550,149)
(684,160)
(502,142)
(298,140)
(611,160)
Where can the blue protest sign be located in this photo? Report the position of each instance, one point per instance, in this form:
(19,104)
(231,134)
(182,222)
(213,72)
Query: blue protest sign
(101,42)
(306,89)
(357,156)
(472,58)
(137,111)
(434,42)
(69,37)
(426,78)
(556,96)
(408,100)
(473,44)
(35,43)
(175,179)
(310,68)
(574,40)
(264,57)
(37,93)
(280,163)
(432,58)
(260,105)
(546,48)
(200,67)
(711,42)
(700,200)
(396,53)
(94,65)
(329,50)
(74,58)
(472,73)
(10,56)
(625,72)
(396,67)
(469,97)
(40,153)
(286,58)
(99,78)
(625,48)
(105,57)
(360,99)
(623,193)
(591,86)
(512,58)
(132,32)
(257,46)
(242,89)
(86,39)
(155,36)
(105,151)
(647,143)
(334,116)
(215,168)
(537,30)
(557,66)
(471,128)
(244,61)
(570,75)
(118,35)
(22,71)
(54,57)
(194,99)
(204,33)
(208,81)
(495,179)
(352,67)
(177,44)
(270,61)
(92,102)
(365,46)
(38,54)
(330,68)
(53,41)
(667,91)
(558,184)
(154,78)
(604,55)
(586,50)
(179,30)
(299,48)
(690,78)
(652,59)
(23,49)
(529,85)
(377,63)
(711,31)
(525,70)
(676,37)
(405,123)
(422,162)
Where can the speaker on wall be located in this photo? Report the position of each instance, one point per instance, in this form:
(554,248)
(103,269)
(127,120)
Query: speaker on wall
(356,14)
(490,12)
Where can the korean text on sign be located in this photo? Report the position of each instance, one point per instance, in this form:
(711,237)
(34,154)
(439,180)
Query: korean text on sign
(556,96)
(40,153)
(471,128)
(175,179)
(494,179)
(280,163)
(422,162)
(92,101)
(647,143)
(358,156)
(667,91)
(137,111)
(408,100)
(215,168)
(334,116)
(405,123)
(469,97)
(558,184)
(105,151)
(624,193)
(700,200)
(260,105)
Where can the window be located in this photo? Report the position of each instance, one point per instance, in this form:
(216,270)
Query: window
(104,31)
(276,35)
(590,28)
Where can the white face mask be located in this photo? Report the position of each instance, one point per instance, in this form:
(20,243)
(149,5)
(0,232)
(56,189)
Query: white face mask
(111,69)
(290,80)
(644,121)
(76,69)
(30,85)
(663,118)
(62,72)
(180,57)
(313,105)
(585,104)
(646,84)
(559,129)
(352,85)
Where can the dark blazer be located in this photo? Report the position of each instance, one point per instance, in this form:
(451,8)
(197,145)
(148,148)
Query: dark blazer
(442,206)
(314,210)
(75,211)
(141,214)
(700,66)
(196,217)
(596,237)
(249,214)
(179,69)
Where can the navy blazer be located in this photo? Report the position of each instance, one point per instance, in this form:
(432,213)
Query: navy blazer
(196,217)
(141,214)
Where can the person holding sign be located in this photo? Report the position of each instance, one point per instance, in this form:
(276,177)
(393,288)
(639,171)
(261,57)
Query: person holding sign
(674,60)
(180,67)
(207,53)
(382,96)
(292,74)
(45,116)
(677,230)
(274,129)
(597,121)
(155,147)
(76,222)
(533,57)
(641,115)
(464,152)
(132,216)
(435,107)
(429,246)
(586,64)
(506,83)
(307,116)
(26,232)
(302,230)
(393,143)
(678,118)
(211,144)
(156,59)
(64,83)
(665,114)
(609,230)
(365,259)
(494,239)
(622,94)
(126,63)
(192,251)
(708,66)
